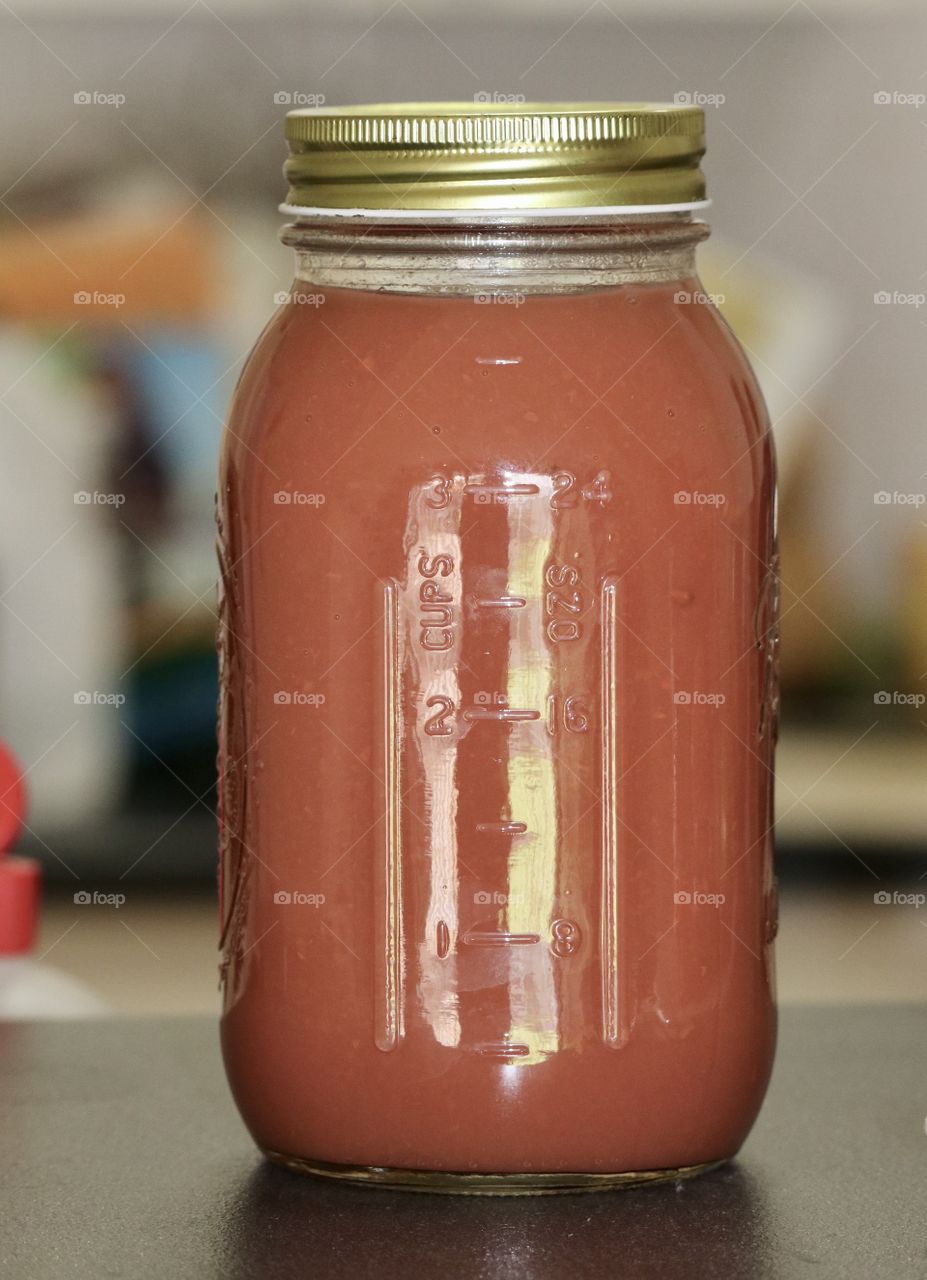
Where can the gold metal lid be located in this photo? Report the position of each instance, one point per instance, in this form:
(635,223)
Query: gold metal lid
(457,158)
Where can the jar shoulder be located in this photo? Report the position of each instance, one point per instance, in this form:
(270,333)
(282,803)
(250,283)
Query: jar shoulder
(552,374)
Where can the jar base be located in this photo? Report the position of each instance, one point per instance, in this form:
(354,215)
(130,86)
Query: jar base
(486,1184)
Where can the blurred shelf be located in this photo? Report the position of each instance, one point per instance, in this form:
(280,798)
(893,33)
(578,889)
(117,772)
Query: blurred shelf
(837,789)
(148,848)
(853,785)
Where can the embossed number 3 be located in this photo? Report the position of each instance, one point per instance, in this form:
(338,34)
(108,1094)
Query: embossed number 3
(441,494)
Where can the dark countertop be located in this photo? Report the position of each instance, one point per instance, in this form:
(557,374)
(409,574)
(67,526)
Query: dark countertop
(122,1155)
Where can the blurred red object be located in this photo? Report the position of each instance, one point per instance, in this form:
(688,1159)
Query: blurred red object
(12,799)
(20,878)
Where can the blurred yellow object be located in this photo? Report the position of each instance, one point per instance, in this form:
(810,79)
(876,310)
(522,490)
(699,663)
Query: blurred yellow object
(791,327)
(914,611)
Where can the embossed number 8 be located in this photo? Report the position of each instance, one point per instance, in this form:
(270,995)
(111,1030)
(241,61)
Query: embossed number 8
(564,937)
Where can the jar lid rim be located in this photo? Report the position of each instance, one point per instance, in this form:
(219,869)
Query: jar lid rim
(487,156)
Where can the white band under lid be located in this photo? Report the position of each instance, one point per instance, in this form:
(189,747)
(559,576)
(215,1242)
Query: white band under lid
(491,215)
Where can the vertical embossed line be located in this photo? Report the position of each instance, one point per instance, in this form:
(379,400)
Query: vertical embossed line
(609,923)
(390,1019)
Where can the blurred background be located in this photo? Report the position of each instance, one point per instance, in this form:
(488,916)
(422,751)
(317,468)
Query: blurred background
(138,262)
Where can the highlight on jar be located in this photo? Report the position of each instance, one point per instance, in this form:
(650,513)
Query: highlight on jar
(498,664)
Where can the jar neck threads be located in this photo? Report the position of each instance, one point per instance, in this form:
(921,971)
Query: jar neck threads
(507,256)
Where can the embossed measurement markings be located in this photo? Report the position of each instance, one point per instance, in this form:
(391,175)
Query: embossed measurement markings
(537,596)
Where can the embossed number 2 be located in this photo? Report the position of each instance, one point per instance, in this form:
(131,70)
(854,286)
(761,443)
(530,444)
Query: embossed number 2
(436,726)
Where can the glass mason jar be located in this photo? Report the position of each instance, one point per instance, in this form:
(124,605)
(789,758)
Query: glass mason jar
(498,664)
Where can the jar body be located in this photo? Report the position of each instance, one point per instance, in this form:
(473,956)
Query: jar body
(497,720)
